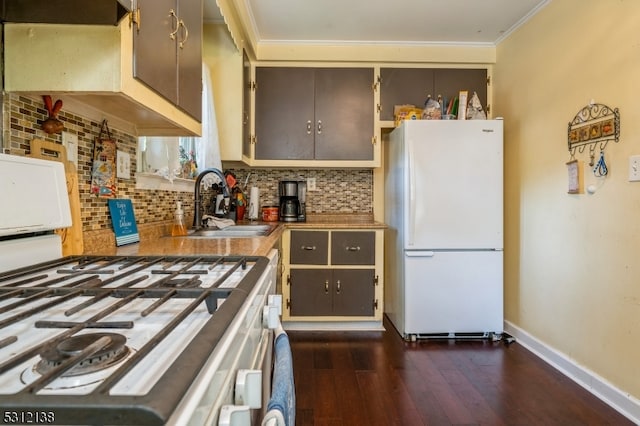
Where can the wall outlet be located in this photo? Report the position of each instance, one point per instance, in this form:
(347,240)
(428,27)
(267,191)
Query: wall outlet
(634,168)
(311,184)
(70,142)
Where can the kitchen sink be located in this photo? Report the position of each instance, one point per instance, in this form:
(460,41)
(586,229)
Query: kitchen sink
(233,231)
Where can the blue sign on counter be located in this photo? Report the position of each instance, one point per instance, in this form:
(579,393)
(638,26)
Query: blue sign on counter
(124,221)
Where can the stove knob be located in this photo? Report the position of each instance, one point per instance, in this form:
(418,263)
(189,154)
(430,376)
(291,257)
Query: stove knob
(249,388)
(234,415)
(272,311)
(270,317)
(275,300)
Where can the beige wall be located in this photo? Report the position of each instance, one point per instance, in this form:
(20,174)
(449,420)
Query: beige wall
(572,269)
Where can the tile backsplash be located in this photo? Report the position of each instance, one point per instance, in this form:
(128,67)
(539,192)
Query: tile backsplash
(338,190)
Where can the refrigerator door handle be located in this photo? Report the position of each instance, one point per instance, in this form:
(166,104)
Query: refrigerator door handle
(412,195)
(420,253)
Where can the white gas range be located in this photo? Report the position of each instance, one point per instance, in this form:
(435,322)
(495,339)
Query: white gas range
(128,340)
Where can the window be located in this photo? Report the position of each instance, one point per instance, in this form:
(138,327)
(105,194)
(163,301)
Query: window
(171,157)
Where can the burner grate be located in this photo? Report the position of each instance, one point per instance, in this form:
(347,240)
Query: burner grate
(113,351)
(105,286)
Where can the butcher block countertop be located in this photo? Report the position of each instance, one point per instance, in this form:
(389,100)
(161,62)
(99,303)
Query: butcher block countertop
(336,221)
(255,246)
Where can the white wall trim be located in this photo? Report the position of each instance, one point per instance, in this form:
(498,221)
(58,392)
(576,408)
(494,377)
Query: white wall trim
(521,22)
(621,401)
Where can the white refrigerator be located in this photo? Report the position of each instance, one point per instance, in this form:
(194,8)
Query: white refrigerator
(444,245)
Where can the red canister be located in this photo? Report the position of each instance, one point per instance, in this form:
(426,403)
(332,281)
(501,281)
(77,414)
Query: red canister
(270,213)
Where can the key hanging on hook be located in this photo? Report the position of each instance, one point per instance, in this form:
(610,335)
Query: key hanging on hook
(592,155)
(601,170)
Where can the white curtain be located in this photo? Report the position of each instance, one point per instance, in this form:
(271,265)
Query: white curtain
(208,145)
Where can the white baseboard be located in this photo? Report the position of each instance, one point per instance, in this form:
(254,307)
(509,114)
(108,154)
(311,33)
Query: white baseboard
(624,403)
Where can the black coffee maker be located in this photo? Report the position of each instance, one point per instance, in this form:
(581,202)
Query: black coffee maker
(289,201)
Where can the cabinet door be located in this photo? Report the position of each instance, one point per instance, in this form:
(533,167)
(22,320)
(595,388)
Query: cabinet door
(449,82)
(154,52)
(309,248)
(284,113)
(399,86)
(354,292)
(189,42)
(311,292)
(343,114)
(246,105)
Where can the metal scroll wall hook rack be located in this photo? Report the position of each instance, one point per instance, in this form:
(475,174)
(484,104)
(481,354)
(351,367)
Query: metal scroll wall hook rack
(593,127)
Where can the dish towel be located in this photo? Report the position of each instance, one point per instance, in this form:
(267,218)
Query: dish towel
(219,223)
(281,409)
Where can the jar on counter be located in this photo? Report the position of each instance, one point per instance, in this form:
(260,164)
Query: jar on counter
(270,213)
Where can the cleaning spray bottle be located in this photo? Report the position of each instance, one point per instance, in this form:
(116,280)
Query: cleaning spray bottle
(179,227)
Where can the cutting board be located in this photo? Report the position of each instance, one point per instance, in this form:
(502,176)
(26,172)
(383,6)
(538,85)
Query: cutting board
(72,242)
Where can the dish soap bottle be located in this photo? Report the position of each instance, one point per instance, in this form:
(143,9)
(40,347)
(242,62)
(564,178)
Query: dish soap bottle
(179,228)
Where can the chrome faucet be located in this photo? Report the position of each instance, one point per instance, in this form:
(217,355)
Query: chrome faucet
(226,193)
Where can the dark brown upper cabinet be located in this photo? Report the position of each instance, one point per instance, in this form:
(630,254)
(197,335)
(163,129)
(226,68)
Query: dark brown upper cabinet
(314,113)
(167,51)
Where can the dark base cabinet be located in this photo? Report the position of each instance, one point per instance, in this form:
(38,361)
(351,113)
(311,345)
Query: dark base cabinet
(341,292)
(333,278)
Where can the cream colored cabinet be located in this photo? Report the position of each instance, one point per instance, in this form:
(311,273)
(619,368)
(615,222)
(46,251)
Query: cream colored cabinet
(92,65)
(227,70)
(333,277)
(246,104)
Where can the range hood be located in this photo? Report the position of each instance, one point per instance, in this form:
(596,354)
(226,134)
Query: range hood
(88,12)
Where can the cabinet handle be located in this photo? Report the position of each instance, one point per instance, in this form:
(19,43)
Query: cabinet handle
(172,34)
(356,248)
(185,33)
(326,287)
(308,127)
(338,287)
(308,248)
(319,126)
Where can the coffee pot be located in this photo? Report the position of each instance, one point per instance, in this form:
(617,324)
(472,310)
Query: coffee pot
(289,202)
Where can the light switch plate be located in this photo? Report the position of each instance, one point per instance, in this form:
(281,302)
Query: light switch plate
(634,168)
(311,184)
(70,142)
(123,160)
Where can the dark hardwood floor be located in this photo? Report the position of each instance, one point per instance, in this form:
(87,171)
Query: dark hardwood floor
(376,378)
